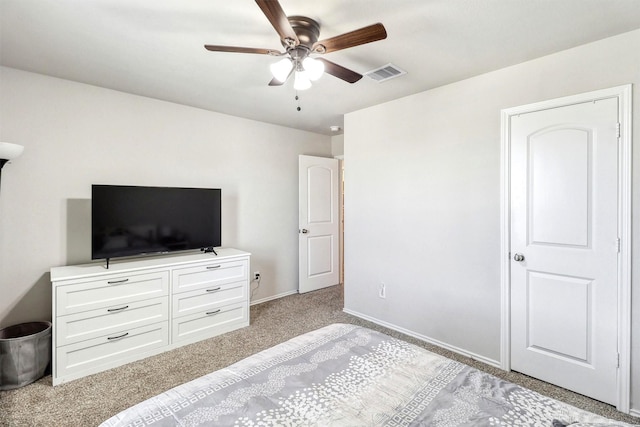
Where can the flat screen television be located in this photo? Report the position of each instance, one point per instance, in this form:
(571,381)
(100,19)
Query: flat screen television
(134,220)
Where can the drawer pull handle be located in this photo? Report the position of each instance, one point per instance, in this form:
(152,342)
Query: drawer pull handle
(115,282)
(209,313)
(119,336)
(214,289)
(117,309)
(213,267)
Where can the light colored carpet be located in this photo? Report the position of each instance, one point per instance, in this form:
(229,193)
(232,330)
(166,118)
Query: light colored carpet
(91,400)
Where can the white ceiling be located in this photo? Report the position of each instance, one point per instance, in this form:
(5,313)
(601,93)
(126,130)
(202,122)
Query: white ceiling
(154,48)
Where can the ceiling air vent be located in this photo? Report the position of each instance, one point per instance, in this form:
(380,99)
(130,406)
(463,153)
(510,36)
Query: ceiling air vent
(384,73)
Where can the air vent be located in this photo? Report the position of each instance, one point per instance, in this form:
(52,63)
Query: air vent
(384,73)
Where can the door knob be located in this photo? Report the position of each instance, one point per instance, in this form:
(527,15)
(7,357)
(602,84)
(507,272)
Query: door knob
(304,231)
(518,257)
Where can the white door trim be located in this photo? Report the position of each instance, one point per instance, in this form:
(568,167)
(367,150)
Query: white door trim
(623,93)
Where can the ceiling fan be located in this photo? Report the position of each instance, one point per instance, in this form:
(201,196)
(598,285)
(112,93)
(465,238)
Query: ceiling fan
(299,37)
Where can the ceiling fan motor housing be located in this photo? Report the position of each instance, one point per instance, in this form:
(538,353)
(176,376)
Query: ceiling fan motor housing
(306,29)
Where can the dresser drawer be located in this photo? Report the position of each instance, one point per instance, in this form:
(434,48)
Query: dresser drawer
(208,298)
(210,323)
(211,274)
(95,323)
(111,291)
(101,353)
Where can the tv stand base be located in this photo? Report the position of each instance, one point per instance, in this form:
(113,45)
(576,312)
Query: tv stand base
(209,250)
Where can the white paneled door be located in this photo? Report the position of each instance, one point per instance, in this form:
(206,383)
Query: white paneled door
(318,223)
(564,246)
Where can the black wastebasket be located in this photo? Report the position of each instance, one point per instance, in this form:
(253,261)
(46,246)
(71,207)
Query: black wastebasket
(25,353)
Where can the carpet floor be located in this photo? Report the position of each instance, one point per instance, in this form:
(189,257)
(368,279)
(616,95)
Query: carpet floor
(89,401)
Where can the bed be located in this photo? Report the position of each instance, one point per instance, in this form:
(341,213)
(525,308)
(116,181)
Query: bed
(346,375)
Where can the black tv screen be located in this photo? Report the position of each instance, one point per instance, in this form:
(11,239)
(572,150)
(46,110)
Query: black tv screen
(134,220)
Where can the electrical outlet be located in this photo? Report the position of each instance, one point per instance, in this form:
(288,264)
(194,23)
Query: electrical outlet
(256,275)
(382,291)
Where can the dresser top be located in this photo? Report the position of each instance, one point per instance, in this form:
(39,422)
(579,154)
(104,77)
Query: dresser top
(132,264)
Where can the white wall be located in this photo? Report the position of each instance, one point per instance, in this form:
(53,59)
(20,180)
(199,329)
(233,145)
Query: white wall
(422,199)
(76,135)
(337,145)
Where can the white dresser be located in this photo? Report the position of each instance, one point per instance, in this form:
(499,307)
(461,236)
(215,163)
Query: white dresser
(104,318)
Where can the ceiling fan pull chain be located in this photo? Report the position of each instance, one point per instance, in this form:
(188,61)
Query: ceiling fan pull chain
(298,99)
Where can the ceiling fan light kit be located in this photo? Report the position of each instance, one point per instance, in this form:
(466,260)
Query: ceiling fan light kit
(281,69)
(313,68)
(306,71)
(299,37)
(301,81)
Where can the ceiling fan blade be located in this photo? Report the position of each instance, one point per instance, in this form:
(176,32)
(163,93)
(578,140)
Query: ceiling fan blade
(216,48)
(274,13)
(364,35)
(339,71)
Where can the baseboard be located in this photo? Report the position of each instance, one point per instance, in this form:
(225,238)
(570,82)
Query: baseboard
(271,298)
(635,412)
(429,340)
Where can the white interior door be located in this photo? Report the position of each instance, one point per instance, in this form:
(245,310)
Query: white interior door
(319,223)
(564,246)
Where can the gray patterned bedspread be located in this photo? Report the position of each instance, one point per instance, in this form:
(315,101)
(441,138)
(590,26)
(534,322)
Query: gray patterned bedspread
(345,375)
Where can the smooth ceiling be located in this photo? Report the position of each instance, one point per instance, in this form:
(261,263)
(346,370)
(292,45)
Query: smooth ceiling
(155,48)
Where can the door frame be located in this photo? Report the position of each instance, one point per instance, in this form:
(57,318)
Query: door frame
(623,93)
(340,159)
